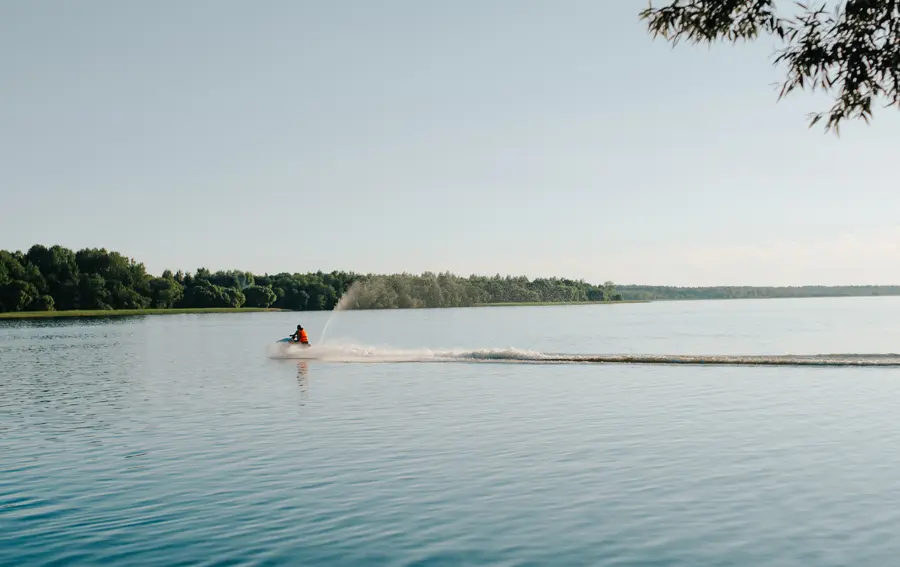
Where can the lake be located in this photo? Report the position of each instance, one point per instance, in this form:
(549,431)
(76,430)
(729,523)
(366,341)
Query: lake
(186,440)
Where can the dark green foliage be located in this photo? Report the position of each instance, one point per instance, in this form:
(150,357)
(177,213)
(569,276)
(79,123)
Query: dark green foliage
(448,290)
(650,293)
(204,294)
(232,278)
(56,278)
(97,279)
(233,297)
(17,295)
(855,49)
(58,267)
(92,292)
(165,292)
(42,303)
(124,297)
(259,296)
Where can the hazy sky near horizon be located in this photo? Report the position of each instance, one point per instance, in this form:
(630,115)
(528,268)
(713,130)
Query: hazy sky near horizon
(511,136)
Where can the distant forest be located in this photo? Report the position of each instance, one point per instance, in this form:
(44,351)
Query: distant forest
(56,278)
(655,292)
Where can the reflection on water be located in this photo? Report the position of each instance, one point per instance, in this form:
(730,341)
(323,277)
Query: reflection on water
(64,322)
(303,376)
(176,440)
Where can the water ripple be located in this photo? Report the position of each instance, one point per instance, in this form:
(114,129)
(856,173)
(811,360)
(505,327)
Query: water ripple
(143,444)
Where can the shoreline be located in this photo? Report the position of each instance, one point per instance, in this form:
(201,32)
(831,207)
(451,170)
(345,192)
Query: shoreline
(86,313)
(132,312)
(100,313)
(551,303)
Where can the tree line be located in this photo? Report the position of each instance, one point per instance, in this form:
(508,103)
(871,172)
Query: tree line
(56,278)
(656,293)
(449,290)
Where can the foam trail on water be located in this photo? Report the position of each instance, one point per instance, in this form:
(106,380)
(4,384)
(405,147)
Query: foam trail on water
(372,354)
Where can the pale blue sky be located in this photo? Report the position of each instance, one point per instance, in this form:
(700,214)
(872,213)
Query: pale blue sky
(512,136)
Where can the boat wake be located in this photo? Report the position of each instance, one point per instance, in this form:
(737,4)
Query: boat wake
(358,353)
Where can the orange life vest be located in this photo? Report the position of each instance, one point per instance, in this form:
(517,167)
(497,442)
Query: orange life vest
(303,338)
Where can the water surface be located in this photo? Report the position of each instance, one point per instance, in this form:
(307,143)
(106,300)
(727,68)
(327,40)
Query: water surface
(175,440)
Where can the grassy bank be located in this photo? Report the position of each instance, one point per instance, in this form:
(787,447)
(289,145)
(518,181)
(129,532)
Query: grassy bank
(126,312)
(548,303)
(137,312)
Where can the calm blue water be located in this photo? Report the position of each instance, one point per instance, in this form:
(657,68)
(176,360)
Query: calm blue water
(176,440)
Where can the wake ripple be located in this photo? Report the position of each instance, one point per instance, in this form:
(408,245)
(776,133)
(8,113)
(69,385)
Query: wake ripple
(357,353)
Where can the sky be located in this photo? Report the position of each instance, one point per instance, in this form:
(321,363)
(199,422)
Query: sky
(543,138)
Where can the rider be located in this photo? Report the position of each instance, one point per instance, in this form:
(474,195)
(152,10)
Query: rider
(300,336)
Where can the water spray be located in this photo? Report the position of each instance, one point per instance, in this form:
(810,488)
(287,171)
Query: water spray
(347,301)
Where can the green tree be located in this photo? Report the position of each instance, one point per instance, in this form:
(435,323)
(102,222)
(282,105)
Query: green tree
(609,291)
(203,294)
(92,292)
(232,297)
(124,297)
(232,278)
(300,300)
(42,303)
(854,50)
(259,296)
(165,292)
(59,270)
(17,295)
(101,279)
(10,267)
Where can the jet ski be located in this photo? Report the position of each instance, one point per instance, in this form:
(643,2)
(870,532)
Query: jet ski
(290,341)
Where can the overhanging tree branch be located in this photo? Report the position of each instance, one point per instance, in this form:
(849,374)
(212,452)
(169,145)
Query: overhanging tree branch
(853,52)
